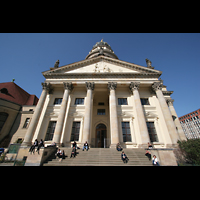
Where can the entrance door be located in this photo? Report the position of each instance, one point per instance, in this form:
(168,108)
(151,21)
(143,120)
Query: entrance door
(101,136)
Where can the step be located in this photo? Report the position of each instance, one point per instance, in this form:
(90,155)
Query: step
(100,157)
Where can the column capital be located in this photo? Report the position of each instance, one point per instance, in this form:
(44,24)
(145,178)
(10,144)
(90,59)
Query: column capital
(89,85)
(112,85)
(157,85)
(134,86)
(170,102)
(68,86)
(47,87)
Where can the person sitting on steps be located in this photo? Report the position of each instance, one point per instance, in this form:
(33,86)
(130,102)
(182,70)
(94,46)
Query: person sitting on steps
(41,144)
(150,146)
(32,149)
(124,157)
(86,146)
(62,156)
(73,153)
(58,153)
(118,147)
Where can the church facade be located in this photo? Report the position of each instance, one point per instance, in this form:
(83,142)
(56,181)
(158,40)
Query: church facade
(104,101)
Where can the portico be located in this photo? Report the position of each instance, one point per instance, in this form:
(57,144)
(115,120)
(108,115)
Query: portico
(104,101)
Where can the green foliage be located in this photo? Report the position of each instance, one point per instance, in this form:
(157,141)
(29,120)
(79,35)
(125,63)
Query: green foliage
(190,150)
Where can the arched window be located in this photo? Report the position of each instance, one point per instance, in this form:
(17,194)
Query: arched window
(3,118)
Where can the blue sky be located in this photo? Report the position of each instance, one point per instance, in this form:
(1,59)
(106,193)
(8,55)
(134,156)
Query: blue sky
(24,56)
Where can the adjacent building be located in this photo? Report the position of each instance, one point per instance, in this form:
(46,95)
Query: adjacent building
(105,101)
(191,124)
(16,110)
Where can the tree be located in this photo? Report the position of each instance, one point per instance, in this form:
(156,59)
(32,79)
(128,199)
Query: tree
(190,149)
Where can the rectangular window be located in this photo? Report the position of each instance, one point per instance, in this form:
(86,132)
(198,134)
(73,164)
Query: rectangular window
(50,130)
(122,101)
(101,111)
(101,103)
(58,101)
(26,123)
(144,101)
(75,131)
(79,101)
(126,132)
(152,132)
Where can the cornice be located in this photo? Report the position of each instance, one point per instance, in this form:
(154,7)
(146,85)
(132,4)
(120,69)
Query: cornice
(166,93)
(101,75)
(118,62)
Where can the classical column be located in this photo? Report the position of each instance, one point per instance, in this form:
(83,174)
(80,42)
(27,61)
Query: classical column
(88,112)
(59,125)
(30,132)
(134,86)
(157,87)
(176,121)
(114,130)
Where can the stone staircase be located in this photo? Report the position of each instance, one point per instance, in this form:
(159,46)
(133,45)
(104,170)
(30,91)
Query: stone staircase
(100,157)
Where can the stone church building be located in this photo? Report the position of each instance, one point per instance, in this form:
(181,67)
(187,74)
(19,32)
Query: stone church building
(105,101)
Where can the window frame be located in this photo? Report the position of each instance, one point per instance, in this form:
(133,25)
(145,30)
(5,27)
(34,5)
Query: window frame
(58,101)
(122,101)
(50,131)
(125,133)
(75,132)
(153,136)
(79,101)
(101,111)
(26,123)
(145,101)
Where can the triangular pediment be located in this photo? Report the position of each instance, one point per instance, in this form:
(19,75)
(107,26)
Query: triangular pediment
(101,65)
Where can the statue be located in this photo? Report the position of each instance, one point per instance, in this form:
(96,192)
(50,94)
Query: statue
(148,62)
(56,64)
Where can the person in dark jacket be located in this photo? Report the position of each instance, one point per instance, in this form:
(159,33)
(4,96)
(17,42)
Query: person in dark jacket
(124,157)
(73,153)
(41,144)
(62,156)
(32,149)
(148,154)
(118,147)
(86,146)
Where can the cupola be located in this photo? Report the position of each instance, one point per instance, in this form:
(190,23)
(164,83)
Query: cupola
(101,49)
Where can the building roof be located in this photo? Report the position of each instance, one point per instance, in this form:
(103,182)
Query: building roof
(12,92)
(101,48)
(190,115)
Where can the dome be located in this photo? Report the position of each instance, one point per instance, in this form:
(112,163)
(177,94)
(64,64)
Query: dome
(101,48)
